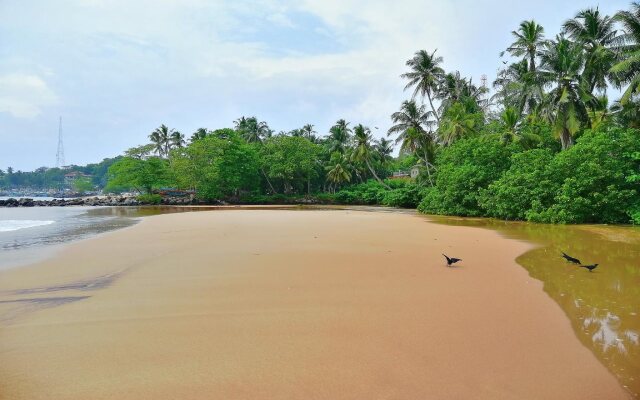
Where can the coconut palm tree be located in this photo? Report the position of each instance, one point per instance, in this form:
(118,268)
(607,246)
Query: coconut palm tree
(338,174)
(598,37)
(161,139)
(363,151)
(628,69)
(518,87)
(529,40)
(339,135)
(510,119)
(457,123)
(454,88)
(425,75)
(414,128)
(200,133)
(384,147)
(177,140)
(251,130)
(566,104)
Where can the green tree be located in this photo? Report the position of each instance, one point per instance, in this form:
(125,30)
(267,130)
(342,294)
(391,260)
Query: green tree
(566,104)
(291,160)
(628,69)
(363,151)
(425,75)
(529,40)
(218,166)
(141,175)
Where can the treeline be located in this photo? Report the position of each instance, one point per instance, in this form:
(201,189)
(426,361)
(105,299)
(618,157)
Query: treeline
(45,178)
(546,144)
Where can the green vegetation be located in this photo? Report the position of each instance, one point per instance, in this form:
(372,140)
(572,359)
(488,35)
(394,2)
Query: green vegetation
(547,142)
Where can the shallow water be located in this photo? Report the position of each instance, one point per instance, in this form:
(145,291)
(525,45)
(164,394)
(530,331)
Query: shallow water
(603,305)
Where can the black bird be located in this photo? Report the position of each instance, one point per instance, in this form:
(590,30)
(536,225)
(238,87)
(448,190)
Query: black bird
(451,260)
(590,267)
(570,259)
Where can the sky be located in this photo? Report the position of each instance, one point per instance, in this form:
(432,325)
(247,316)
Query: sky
(115,70)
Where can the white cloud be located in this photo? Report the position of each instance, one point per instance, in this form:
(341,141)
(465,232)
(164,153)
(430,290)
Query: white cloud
(24,95)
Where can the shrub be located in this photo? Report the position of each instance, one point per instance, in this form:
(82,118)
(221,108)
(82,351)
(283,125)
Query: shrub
(149,198)
(464,169)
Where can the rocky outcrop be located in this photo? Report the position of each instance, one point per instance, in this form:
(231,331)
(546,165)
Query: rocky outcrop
(92,201)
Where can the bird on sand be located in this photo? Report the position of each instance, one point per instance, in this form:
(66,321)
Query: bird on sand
(451,260)
(589,267)
(570,259)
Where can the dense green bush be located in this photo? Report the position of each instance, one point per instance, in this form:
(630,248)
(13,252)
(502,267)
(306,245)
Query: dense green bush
(408,196)
(464,169)
(149,198)
(527,181)
(597,180)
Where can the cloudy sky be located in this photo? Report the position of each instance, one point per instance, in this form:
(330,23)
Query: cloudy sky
(115,70)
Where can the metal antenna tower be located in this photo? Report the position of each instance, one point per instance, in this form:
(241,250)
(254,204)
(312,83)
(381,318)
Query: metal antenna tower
(60,153)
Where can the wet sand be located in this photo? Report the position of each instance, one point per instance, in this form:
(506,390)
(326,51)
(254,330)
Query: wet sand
(289,305)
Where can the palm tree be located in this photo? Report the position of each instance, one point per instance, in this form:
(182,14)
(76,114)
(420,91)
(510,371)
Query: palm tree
(597,35)
(529,40)
(457,123)
(200,133)
(384,147)
(309,133)
(363,151)
(454,88)
(425,75)
(251,130)
(518,87)
(566,104)
(161,139)
(410,123)
(339,135)
(510,119)
(628,68)
(338,174)
(177,139)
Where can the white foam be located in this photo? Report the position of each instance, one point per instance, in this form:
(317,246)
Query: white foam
(9,225)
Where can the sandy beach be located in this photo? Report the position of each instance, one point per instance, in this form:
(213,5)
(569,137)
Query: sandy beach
(284,304)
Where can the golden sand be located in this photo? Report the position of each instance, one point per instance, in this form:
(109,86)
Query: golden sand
(272,304)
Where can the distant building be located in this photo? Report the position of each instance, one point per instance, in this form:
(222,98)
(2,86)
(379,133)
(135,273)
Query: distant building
(411,174)
(414,171)
(71,177)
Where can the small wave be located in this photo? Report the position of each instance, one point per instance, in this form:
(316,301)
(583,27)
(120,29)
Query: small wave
(16,224)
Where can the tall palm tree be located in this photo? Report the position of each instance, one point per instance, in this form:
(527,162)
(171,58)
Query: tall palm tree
(628,68)
(309,132)
(414,128)
(454,88)
(384,147)
(597,35)
(339,135)
(529,40)
(251,130)
(566,104)
(518,87)
(177,139)
(161,139)
(457,123)
(363,151)
(200,133)
(425,75)
(510,119)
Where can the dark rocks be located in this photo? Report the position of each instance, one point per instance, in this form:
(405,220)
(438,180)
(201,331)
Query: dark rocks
(108,201)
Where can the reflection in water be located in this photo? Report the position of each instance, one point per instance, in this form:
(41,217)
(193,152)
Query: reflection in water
(603,305)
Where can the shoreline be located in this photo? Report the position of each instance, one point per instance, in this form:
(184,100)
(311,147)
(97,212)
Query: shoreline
(326,306)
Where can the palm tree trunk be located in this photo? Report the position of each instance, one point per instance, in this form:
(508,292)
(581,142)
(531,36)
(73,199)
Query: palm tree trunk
(566,139)
(435,113)
(268,181)
(373,172)
(426,164)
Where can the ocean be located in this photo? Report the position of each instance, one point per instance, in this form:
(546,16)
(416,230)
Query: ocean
(28,234)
